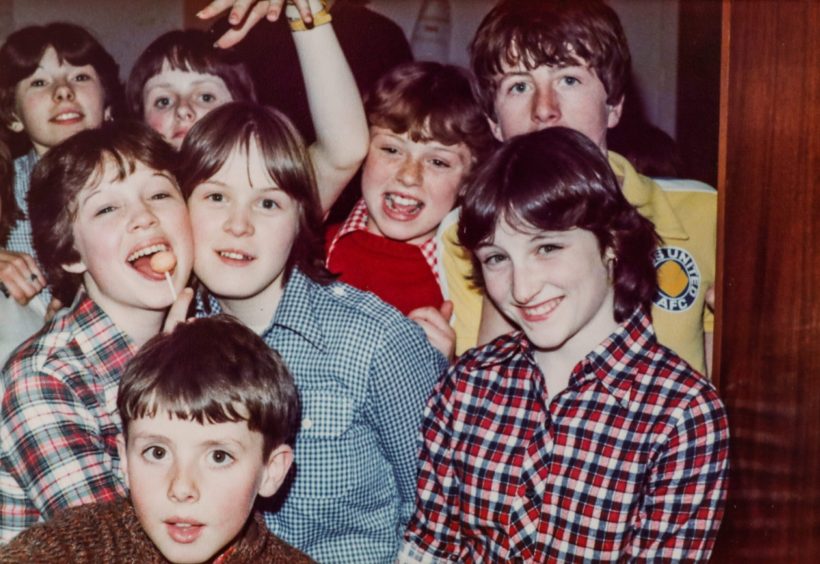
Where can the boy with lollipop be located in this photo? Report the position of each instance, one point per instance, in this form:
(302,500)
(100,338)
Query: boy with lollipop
(102,203)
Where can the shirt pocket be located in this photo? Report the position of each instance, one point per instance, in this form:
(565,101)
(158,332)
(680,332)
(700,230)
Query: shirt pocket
(325,446)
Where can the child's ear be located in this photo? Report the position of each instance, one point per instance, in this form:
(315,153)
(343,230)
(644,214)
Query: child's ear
(123,458)
(614,112)
(78,267)
(15,124)
(107,113)
(276,470)
(496,129)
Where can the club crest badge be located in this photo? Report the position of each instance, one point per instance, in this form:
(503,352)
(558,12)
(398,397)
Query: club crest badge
(678,279)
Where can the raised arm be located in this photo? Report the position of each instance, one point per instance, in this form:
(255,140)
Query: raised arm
(336,109)
(335,104)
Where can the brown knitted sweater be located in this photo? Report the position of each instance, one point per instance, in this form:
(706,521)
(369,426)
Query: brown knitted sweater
(111,533)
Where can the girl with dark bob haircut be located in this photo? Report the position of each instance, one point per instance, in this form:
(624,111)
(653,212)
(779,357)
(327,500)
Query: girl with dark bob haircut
(579,437)
(556,180)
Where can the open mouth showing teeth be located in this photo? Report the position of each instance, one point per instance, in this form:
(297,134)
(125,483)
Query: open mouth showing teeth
(67,116)
(141,259)
(235,255)
(403,204)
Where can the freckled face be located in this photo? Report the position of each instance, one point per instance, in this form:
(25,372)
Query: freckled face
(410,186)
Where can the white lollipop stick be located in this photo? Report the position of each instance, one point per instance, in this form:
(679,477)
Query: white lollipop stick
(164,262)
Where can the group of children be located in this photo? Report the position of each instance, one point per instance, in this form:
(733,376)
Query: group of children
(573,437)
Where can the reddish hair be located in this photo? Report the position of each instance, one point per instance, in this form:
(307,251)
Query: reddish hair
(431,101)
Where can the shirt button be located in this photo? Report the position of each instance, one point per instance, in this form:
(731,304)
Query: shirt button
(338,291)
(307,423)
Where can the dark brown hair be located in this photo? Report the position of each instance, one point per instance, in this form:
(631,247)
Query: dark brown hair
(212,370)
(187,50)
(210,143)
(550,32)
(9,212)
(431,101)
(64,171)
(23,49)
(555,180)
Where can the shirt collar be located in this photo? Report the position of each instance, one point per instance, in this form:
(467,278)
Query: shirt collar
(295,313)
(103,344)
(357,221)
(650,200)
(614,362)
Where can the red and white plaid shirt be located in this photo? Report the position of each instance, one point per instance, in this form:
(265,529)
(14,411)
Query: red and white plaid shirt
(357,221)
(630,461)
(59,425)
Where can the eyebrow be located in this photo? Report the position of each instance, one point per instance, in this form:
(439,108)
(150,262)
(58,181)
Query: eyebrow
(270,188)
(167,84)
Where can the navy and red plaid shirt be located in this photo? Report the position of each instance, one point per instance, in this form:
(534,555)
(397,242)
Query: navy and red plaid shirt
(629,462)
(59,418)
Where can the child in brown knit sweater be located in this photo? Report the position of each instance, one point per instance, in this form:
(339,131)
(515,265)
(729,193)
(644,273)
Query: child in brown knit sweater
(209,414)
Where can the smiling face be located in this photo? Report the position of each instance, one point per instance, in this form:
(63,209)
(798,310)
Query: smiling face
(547,96)
(56,101)
(244,227)
(175,99)
(193,485)
(119,225)
(555,285)
(409,186)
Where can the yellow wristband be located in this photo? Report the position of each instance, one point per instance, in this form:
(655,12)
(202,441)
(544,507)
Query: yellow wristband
(321,17)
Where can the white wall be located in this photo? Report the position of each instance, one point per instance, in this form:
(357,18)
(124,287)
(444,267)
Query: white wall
(123,27)
(651,27)
(126,27)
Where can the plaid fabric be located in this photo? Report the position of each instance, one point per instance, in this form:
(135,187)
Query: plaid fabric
(357,221)
(59,420)
(364,372)
(20,239)
(629,462)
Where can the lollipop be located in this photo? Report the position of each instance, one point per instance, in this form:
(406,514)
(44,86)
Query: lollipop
(164,262)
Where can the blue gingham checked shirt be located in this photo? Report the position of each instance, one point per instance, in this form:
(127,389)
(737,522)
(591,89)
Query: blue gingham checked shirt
(20,240)
(364,372)
(59,418)
(628,463)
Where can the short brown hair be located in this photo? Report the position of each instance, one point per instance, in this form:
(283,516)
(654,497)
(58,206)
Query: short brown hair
(64,171)
(210,143)
(431,101)
(23,49)
(555,180)
(550,32)
(9,212)
(213,370)
(187,50)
